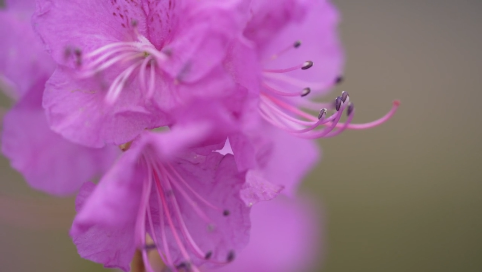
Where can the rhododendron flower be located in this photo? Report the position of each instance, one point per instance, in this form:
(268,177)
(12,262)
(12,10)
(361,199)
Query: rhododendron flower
(47,161)
(123,65)
(295,49)
(187,200)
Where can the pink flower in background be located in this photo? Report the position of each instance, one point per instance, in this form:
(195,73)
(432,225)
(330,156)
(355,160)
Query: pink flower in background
(47,161)
(23,62)
(187,200)
(284,238)
(123,65)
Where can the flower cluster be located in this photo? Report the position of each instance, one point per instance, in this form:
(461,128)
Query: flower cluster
(188,112)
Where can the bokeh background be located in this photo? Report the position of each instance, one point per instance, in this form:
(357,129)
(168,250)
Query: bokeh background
(406,196)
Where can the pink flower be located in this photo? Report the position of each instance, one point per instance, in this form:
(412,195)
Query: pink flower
(47,161)
(124,65)
(295,49)
(187,200)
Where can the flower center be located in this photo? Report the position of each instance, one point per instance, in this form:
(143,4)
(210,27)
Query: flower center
(284,110)
(138,57)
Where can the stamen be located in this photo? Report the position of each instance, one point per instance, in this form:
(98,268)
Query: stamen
(350,109)
(160,196)
(291,118)
(149,247)
(184,265)
(139,55)
(307,65)
(304,66)
(119,82)
(338,103)
(200,198)
(78,56)
(231,256)
(295,45)
(298,83)
(226,212)
(344,96)
(306,91)
(208,255)
(322,113)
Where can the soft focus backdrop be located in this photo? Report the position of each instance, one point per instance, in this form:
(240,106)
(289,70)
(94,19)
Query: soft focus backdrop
(406,196)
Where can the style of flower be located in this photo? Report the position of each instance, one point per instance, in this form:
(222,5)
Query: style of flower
(187,200)
(47,161)
(124,65)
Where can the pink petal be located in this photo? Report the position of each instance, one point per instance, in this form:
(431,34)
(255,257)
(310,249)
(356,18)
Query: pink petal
(48,162)
(81,115)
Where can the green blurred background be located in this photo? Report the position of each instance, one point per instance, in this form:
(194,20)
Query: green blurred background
(406,196)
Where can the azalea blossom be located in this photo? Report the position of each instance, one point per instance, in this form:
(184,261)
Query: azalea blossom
(124,65)
(47,161)
(187,200)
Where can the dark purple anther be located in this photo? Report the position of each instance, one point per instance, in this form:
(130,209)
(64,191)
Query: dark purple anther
(307,65)
(149,247)
(230,257)
(184,265)
(208,255)
(78,56)
(78,52)
(338,103)
(344,96)
(226,212)
(297,44)
(306,91)
(339,80)
(322,113)
(350,109)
